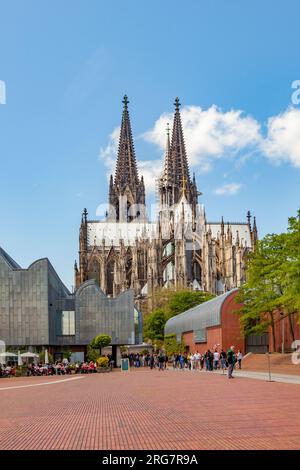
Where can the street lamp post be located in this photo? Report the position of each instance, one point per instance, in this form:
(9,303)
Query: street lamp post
(282,333)
(269,367)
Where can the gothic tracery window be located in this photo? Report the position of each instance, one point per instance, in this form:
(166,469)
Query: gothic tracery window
(110,269)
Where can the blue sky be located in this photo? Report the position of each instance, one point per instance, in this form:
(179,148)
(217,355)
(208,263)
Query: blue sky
(67,64)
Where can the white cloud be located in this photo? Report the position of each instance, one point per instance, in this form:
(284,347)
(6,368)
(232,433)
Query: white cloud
(109,153)
(213,134)
(283,138)
(228,189)
(150,169)
(210,134)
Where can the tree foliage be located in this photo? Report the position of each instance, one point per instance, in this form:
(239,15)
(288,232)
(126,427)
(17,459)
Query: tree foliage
(168,304)
(92,354)
(172,346)
(100,341)
(154,325)
(273,280)
(42,357)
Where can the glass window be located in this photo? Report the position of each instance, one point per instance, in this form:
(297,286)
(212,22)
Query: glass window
(66,323)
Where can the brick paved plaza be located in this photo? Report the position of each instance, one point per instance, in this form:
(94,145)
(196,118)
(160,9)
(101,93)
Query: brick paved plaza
(148,410)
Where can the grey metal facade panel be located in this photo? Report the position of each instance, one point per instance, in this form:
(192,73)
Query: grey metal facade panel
(59,299)
(11,262)
(24,304)
(199,317)
(96,314)
(32,300)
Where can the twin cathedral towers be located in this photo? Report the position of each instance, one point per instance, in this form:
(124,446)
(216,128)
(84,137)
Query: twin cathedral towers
(180,249)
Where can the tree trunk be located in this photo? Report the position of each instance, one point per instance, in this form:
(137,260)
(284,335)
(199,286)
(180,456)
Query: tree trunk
(273,332)
(291,318)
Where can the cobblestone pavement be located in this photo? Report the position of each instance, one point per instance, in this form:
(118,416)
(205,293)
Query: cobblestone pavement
(149,410)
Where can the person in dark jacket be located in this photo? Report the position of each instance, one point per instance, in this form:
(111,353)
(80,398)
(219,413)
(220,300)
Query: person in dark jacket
(161,361)
(231,361)
(151,361)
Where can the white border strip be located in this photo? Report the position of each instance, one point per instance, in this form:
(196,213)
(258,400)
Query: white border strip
(44,383)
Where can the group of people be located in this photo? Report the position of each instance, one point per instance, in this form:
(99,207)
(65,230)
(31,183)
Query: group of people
(58,368)
(210,360)
(63,367)
(7,370)
(153,360)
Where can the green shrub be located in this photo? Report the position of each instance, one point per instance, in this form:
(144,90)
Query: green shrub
(92,354)
(102,362)
(100,341)
(172,346)
(42,357)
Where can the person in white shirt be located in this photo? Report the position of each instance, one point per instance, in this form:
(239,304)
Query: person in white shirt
(239,357)
(197,357)
(216,359)
(192,361)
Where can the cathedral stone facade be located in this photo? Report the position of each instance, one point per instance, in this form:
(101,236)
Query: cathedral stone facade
(180,248)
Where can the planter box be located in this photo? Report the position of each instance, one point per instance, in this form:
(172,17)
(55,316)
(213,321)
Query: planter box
(103,369)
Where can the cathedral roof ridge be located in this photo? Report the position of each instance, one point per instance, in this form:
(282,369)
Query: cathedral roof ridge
(227,223)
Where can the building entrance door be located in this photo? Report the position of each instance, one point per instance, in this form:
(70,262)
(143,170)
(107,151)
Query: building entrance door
(257,344)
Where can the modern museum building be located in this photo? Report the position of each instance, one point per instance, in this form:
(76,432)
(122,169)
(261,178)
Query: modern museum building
(37,311)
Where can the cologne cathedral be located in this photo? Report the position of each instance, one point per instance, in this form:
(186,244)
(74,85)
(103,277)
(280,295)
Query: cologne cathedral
(179,249)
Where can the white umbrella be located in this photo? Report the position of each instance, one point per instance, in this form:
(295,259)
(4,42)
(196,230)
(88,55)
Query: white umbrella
(46,357)
(8,354)
(29,354)
(20,362)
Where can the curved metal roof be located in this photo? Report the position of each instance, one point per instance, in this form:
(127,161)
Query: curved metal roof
(199,317)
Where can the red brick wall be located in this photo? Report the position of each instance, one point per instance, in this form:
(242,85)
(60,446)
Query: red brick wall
(214,336)
(226,334)
(188,339)
(231,332)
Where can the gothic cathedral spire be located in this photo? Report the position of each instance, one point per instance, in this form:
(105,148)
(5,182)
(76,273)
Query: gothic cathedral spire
(126,169)
(126,181)
(176,180)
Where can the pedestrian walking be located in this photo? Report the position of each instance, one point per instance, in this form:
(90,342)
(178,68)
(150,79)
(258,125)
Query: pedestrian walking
(166,361)
(231,361)
(161,361)
(239,357)
(151,361)
(223,357)
(216,359)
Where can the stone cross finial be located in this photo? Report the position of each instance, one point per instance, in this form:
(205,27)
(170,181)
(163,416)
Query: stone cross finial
(177,103)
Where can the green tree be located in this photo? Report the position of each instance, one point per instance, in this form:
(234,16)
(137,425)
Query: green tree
(42,357)
(182,300)
(100,341)
(273,281)
(154,325)
(169,304)
(172,346)
(291,268)
(92,354)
